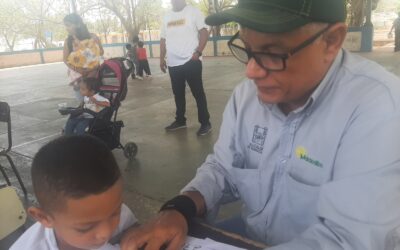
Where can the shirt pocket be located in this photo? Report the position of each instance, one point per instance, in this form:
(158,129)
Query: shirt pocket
(247,182)
(306,173)
(300,201)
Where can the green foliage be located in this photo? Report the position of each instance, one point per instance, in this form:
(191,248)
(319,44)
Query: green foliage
(388,6)
(33,18)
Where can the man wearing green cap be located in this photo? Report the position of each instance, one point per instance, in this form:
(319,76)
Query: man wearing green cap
(309,141)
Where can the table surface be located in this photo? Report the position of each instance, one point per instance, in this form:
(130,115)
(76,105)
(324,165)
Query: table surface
(201,230)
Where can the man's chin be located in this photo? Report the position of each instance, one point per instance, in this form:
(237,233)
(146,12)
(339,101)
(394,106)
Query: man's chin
(267,99)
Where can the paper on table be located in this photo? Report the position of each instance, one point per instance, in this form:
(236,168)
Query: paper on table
(207,244)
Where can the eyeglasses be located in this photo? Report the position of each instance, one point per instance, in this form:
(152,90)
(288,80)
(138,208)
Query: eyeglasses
(266,60)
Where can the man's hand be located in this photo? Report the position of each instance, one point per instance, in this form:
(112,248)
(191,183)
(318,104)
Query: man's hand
(169,228)
(195,56)
(163,65)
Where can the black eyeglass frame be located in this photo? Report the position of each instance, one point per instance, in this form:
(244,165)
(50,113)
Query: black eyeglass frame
(283,57)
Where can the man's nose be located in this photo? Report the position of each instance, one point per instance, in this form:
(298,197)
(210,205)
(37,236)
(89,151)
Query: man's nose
(254,70)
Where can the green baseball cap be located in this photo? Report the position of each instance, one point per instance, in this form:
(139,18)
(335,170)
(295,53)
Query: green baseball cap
(277,16)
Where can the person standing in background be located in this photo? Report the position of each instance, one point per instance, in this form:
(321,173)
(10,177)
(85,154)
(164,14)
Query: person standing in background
(142,59)
(396,27)
(79,39)
(183,38)
(131,55)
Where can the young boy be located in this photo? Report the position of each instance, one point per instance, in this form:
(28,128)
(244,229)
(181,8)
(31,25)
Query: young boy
(142,58)
(78,186)
(131,55)
(91,100)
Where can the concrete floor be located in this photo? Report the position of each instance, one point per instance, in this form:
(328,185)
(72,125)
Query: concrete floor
(165,161)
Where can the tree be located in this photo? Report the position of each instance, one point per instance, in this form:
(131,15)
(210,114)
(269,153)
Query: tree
(356,11)
(11,23)
(105,22)
(214,6)
(132,13)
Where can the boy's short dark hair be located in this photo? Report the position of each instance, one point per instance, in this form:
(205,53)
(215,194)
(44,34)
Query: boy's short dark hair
(128,46)
(92,83)
(140,44)
(72,167)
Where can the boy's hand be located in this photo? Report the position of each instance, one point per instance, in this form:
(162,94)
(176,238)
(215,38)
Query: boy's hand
(169,228)
(163,65)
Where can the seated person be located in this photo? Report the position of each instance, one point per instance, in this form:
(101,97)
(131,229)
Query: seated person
(78,186)
(92,101)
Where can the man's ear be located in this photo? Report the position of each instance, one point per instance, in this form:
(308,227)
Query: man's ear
(334,38)
(41,216)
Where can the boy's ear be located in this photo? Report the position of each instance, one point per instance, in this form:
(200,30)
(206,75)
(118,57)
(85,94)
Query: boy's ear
(41,216)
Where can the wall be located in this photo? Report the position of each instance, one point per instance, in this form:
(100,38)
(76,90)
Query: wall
(217,47)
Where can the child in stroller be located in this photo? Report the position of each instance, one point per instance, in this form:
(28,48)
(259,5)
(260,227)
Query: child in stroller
(112,80)
(92,101)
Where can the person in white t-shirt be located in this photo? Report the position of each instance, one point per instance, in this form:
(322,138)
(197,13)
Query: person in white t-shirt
(183,38)
(78,186)
(92,101)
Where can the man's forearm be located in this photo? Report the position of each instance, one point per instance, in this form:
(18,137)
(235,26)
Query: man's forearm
(163,49)
(203,38)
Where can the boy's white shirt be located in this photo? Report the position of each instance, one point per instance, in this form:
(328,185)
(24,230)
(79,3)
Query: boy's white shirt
(38,237)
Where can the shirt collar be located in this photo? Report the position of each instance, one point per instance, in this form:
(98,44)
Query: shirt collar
(325,84)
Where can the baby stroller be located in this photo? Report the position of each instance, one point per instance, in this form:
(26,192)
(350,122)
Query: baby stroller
(113,75)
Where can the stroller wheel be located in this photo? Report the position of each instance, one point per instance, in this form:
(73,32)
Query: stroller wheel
(130,150)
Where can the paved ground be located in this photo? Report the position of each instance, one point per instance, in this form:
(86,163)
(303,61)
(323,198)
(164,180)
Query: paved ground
(166,161)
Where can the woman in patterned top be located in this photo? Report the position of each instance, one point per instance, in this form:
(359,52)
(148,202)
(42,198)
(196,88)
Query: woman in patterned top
(82,51)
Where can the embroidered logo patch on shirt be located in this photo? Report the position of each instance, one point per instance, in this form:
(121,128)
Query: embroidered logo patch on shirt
(179,22)
(258,140)
(302,154)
